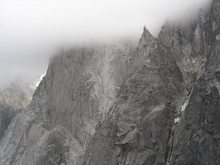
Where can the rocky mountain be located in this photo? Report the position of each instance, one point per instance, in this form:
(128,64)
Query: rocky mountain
(12,99)
(114,104)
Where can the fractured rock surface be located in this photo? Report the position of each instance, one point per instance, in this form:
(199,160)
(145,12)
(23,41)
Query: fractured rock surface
(119,105)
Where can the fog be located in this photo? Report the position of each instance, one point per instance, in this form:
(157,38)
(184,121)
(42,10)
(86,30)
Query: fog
(30,31)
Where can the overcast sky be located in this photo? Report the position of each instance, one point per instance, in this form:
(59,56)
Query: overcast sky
(30,30)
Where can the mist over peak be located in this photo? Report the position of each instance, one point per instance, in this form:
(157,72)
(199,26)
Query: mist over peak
(31,31)
(106,100)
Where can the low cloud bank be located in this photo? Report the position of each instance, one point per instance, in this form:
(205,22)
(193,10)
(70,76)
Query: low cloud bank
(30,31)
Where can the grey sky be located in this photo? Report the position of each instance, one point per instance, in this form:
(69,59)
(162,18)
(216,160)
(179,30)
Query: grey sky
(30,30)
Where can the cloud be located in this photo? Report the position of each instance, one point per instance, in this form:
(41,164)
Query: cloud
(30,30)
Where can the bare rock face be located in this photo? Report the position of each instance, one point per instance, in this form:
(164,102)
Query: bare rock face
(116,105)
(168,111)
(75,95)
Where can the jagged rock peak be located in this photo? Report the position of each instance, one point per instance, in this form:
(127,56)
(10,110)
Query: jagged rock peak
(145,30)
(146,37)
(112,105)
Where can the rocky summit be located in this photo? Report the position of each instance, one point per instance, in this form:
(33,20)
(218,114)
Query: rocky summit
(114,104)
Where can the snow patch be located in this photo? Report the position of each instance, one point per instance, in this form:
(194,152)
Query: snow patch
(176,120)
(183,107)
(217,37)
(39,80)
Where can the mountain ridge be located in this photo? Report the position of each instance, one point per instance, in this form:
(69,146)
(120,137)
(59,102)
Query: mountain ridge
(114,104)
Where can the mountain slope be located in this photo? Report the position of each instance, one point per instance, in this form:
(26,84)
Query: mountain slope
(12,99)
(119,105)
(168,112)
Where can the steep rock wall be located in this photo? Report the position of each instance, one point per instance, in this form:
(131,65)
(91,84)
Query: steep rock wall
(77,92)
(113,104)
(177,121)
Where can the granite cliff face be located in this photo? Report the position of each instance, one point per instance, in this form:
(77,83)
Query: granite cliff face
(118,105)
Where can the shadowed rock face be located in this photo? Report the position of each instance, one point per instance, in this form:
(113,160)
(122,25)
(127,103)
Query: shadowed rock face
(116,105)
